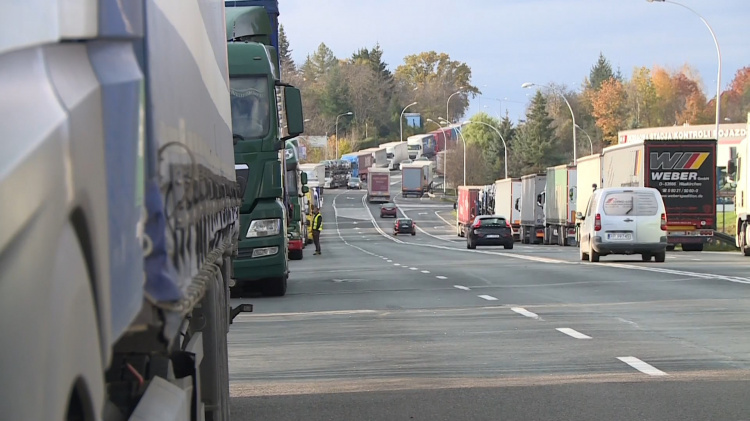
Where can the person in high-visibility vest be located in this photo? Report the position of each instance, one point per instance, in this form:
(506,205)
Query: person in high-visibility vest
(317,225)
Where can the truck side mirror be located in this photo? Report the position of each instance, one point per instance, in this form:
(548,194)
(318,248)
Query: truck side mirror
(303,178)
(580,216)
(731,170)
(305,189)
(295,125)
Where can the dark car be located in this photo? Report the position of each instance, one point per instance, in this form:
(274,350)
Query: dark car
(404,226)
(354,183)
(388,209)
(490,230)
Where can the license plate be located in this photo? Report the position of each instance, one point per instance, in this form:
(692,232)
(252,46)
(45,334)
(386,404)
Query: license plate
(493,236)
(620,237)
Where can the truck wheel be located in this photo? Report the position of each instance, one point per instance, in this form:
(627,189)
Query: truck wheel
(646,257)
(670,247)
(295,255)
(582,255)
(275,287)
(692,247)
(744,247)
(660,256)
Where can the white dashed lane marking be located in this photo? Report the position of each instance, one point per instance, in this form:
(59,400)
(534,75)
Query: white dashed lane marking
(487,297)
(441,277)
(462,287)
(522,311)
(573,333)
(642,366)
(425,271)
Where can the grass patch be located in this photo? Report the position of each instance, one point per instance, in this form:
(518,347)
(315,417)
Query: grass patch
(726,222)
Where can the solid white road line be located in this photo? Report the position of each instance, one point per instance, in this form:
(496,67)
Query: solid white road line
(462,287)
(441,277)
(642,366)
(425,271)
(487,297)
(574,333)
(522,311)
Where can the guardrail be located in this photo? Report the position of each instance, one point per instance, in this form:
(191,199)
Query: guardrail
(724,239)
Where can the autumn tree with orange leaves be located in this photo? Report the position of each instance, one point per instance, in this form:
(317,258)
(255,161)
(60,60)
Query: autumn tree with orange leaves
(608,108)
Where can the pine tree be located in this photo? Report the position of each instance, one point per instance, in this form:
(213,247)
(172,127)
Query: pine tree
(600,72)
(535,144)
(285,53)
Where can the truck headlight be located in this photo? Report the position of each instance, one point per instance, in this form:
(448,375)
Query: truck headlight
(264,228)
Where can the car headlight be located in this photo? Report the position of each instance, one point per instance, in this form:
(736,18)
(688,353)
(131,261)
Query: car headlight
(264,228)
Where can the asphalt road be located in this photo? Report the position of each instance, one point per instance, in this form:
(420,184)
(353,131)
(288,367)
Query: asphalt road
(419,328)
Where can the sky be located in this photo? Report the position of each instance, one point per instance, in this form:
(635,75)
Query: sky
(509,42)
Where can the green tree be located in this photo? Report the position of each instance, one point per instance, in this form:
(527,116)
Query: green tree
(642,99)
(285,53)
(319,63)
(600,72)
(535,146)
(435,76)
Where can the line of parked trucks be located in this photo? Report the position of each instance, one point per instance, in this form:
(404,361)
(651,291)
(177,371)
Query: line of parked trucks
(543,207)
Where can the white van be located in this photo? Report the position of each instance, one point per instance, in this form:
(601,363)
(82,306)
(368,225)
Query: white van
(624,220)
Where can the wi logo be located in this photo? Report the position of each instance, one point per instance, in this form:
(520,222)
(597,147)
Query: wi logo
(677,160)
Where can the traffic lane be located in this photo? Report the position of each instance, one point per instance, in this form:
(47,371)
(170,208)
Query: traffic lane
(675,400)
(476,343)
(670,336)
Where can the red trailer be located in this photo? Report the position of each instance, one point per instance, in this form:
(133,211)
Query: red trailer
(468,199)
(444,139)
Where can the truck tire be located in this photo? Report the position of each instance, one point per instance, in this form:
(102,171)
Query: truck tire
(660,257)
(670,247)
(692,247)
(295,255)
(547,236)
(582,255)
(275,287)
(745,249)
(214,369)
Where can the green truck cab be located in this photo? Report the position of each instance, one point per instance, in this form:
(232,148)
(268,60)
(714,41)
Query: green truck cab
(265,113)
(296,188)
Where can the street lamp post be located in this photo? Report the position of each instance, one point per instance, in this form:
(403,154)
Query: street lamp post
(337,131)
(575,143)
(505,145)
(591,144)
(445,155)
(718,54)
(401,119)
(458,129)
(447,114)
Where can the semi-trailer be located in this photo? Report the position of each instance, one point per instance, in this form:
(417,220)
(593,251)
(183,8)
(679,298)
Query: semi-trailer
(532,210)
(379,185)
(508,202)
(466,208)
(559,203)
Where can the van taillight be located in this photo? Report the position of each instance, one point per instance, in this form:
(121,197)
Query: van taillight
(664,222)
(598,222)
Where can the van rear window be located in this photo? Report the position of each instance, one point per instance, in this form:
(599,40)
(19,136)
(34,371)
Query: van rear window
(631,204)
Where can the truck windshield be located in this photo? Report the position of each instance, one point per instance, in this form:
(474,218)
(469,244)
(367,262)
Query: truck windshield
(414,147)
(250,107)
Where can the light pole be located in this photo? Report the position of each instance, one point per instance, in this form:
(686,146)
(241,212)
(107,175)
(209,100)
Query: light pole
(575,143)
(445,155)
(505,145)
(718,54)
(591,144)
(401,119)
(447,114)
(458,129)
(337,131)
